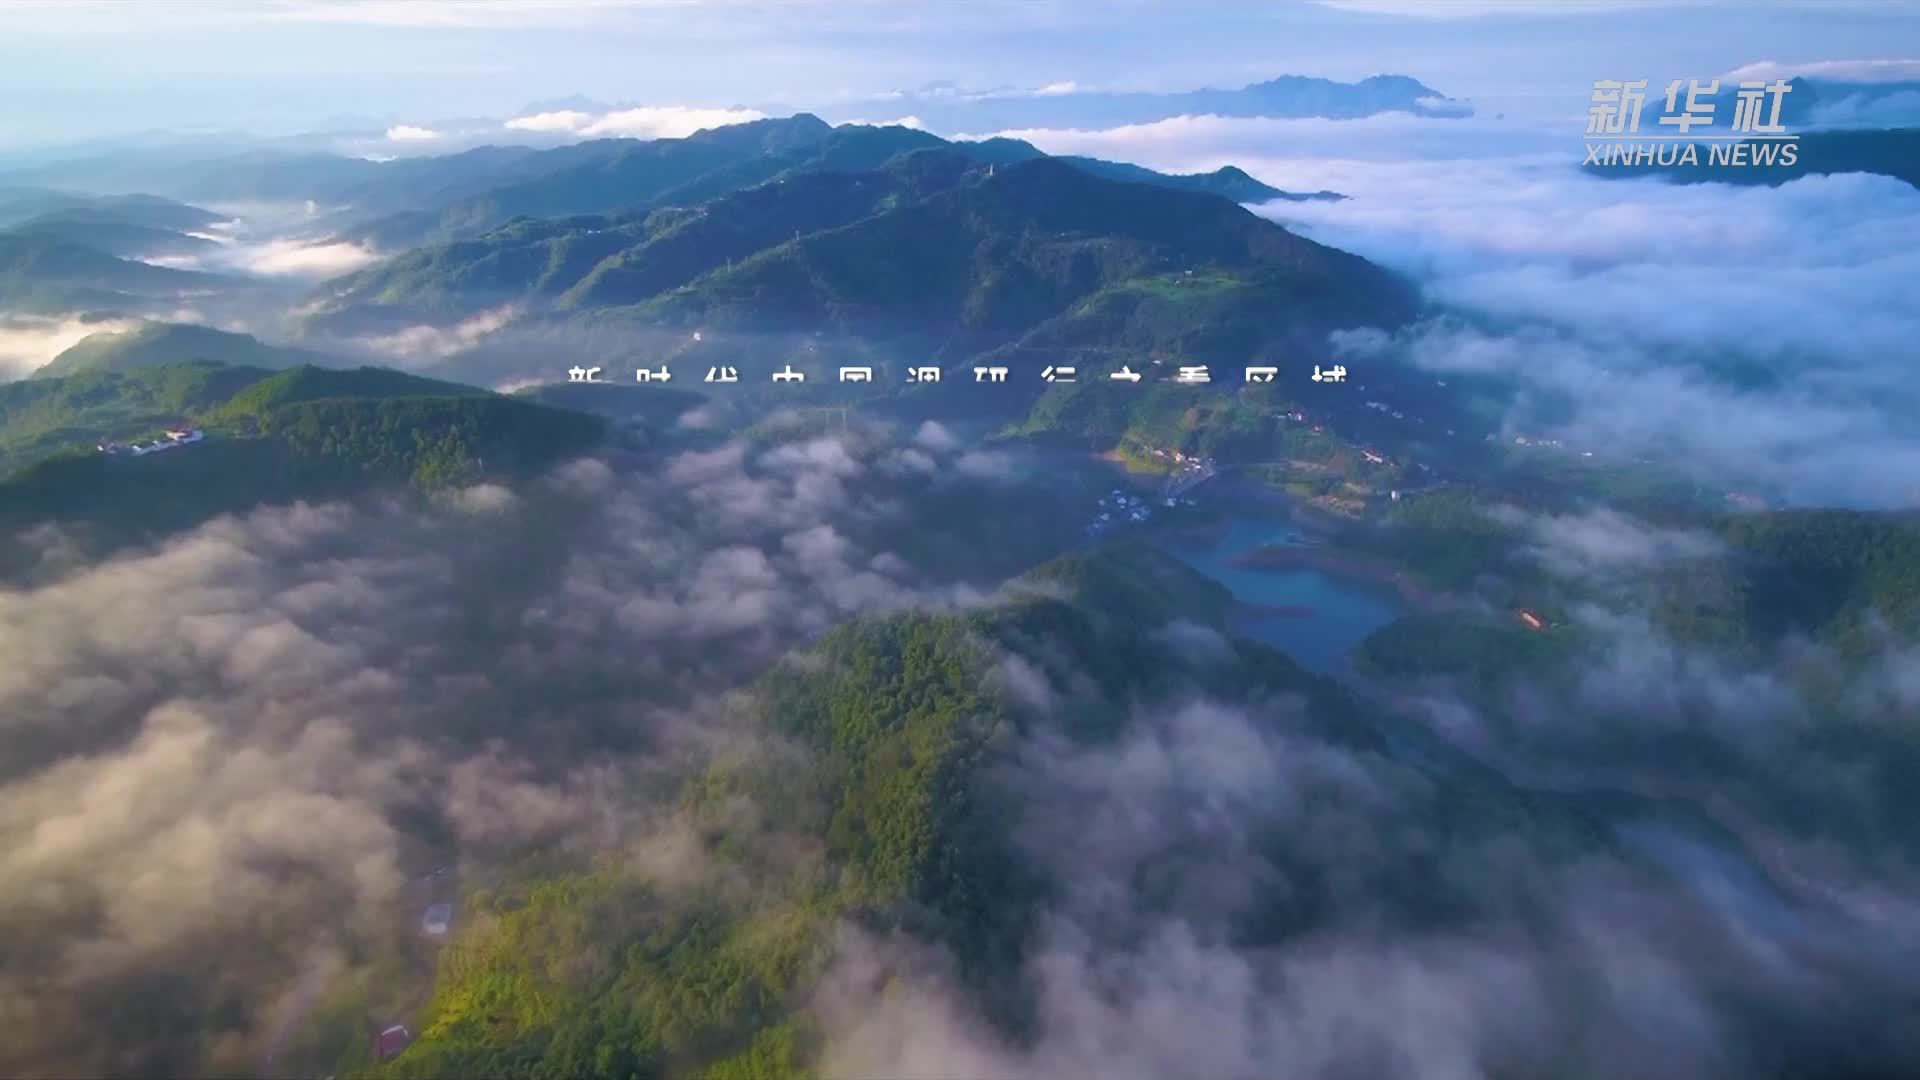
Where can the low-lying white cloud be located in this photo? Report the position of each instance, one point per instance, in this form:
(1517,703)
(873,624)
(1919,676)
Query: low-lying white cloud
(29,341)
(429,343)
(1761,335)
(411,133)
(913,122)
(273,240)
(1205,142)
(644,122)
(562,121)
(1602,542)
(299,258)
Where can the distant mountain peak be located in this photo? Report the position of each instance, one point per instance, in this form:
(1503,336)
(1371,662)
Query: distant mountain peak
(153,342)
(950,109)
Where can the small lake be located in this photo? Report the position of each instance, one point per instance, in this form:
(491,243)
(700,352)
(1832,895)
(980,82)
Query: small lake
(1342,612)
(1697,855)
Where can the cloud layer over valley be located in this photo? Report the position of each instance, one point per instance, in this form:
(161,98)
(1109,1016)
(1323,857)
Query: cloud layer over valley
(1239,894)
(1762,335)
(291,714)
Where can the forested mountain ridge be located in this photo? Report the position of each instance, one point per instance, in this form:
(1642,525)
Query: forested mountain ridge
(1747,586)
(1041,217)
(599,260)
(929,255)
(117,238)
(986,263)
(156,343)
(20,205)
(626,176)
(272,438)
(47,272)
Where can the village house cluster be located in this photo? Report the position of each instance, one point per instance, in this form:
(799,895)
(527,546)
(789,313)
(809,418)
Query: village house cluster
(1118,506)
(173,438)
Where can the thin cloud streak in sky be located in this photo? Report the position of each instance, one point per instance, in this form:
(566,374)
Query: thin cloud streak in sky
(643,122)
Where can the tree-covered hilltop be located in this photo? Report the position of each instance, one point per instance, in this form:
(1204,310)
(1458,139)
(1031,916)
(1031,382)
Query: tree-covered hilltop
(626,250)
(597,261)
(20,205)
(1741,661)
(867,789)
(1840,577)
(272,437)
(46,416)
(985,263)
(42,272)
(276,392)
(118,238)
(154,343)
(1228,181)
(928,259)
(1738,587)
(1745,582)
(626,175)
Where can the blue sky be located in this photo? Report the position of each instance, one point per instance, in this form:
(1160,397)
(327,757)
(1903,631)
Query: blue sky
(277,66)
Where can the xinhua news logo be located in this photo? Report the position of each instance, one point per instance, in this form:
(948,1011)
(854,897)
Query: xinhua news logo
(1755,138)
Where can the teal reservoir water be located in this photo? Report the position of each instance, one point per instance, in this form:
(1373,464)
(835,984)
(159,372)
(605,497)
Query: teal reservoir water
(1334,614)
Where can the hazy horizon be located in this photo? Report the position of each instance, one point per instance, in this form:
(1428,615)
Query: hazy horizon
(97,70)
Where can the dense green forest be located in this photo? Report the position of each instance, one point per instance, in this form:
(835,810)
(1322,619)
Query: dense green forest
(28,205)
(1837,576)
(1447,538)
(1237,425)
(909,246)
(42,417)
(48,272)
(1009,251)
(273,437)
(118,238)
(609,175)
(153,344)
(1845,578)
(867,797)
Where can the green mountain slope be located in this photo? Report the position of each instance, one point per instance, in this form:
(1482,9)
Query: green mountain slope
(985,263)
(117,238)
(22,204)
(156,343)
(600,261)
(620,176)
(930,258)
(1228,181)
(609,175)
(1841,577)
(648,404)
(46,416)
(882,811)
(1807,616)
(305,384)
(270,438)
(44,273)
